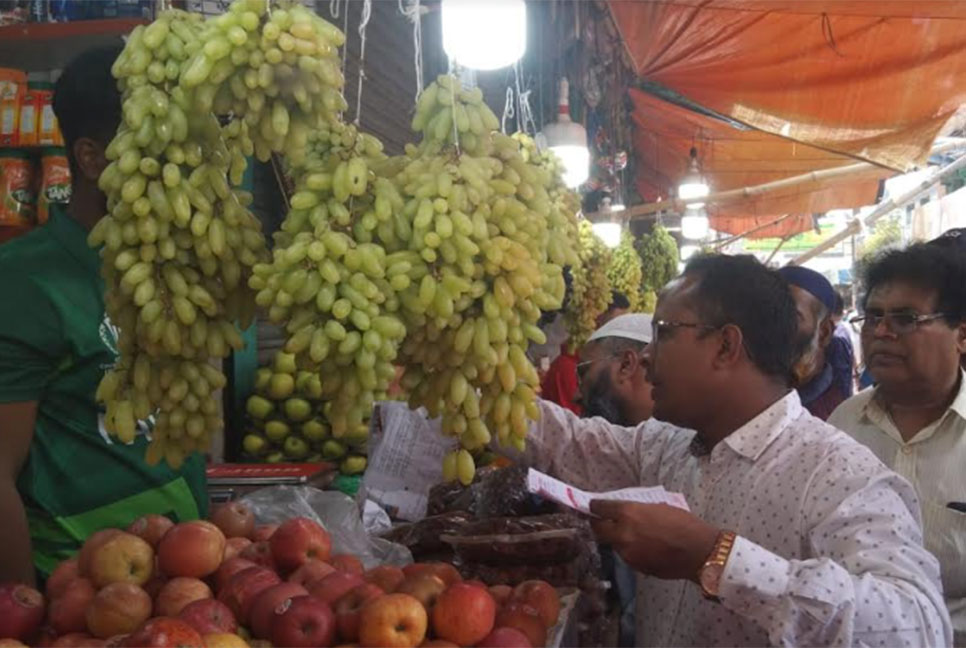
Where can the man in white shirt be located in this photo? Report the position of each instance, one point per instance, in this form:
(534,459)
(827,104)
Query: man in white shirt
(797,535)
(914,420)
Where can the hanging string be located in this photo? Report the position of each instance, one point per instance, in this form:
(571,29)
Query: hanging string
(452,91)
(334,8)
(526,122)
(366,14)
(413,13)
(345,30)
(516,81)
(508,112)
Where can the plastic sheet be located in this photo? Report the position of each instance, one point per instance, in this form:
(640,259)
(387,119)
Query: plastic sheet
(338,513)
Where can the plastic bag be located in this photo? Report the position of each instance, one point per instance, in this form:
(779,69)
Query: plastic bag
(504,493)
(338,513)
(538,540)
(425,537)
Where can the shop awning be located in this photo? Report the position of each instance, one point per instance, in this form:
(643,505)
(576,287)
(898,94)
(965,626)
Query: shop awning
(871,79)
(732,158)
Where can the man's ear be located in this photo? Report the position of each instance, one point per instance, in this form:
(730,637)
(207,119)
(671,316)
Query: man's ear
(89,158)
(961,338)
(732,346)
(825,332)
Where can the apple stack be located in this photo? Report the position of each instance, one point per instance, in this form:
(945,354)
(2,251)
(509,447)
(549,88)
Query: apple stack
(227,583)
(288,423)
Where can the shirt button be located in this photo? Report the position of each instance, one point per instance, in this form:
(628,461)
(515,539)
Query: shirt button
(906,449)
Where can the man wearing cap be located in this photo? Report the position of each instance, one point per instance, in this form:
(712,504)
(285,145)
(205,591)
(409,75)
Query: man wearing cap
(814,375)
(611,381)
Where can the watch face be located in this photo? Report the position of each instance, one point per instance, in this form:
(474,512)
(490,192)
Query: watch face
(711,578)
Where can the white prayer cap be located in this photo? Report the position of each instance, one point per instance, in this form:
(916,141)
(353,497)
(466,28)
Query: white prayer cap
(632,326)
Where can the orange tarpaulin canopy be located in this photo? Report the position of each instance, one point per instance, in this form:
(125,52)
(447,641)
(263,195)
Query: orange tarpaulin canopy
(731,159)
(872,79)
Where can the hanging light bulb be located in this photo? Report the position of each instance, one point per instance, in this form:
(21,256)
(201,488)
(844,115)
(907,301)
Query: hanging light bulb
(688,251)
(469,27)
(695,225)
(569,141)
(608,233)
(693,184)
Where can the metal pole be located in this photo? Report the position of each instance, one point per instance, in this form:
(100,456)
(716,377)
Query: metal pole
(884,208)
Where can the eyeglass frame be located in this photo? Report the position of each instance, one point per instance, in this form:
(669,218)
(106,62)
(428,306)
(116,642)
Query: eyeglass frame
(871,322)
(656,326)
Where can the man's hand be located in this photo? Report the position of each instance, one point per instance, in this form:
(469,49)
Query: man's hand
(655,539)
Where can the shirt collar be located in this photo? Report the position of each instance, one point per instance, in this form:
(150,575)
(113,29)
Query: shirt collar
(817,385)
(874,412)
(754,437)
(70,234)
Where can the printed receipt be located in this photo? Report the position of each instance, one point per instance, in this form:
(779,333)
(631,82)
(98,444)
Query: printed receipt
(579,500)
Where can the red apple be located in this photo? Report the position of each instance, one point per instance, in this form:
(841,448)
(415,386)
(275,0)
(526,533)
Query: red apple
(228,569)
(310,573)
(259,553)
(12,643)
(164,632)
(263,532)
(234,519)
(77,640)
(158,580)
(122,558)
(150,528)
(464,614)
(524,618)
(332,587)
(445,571)
(501,594)
(348,609)
(347,563)
(67,612)
(179,592)
(392,621)
(95,540)
(478,583)
(63,573)
(438,643)
(425,588)
(264,605)
(387,577)
(21,611)
(117,641)
(242,589)
(209,616)
(541,596)
(505,638)
(297,541)
(118,609)
(191,549)
(234,546)
(303,622)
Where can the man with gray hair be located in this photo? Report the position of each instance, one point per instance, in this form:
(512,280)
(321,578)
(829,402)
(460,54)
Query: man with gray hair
(611,381)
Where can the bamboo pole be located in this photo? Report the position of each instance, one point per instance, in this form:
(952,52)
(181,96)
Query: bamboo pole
(884,208)
(647,210)
(731,239)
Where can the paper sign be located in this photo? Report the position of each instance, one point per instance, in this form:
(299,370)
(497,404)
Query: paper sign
(579,500)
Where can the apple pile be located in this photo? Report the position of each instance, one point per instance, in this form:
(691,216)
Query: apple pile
(227,583)
(288,421)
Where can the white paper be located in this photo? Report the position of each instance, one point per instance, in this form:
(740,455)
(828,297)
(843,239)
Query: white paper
(579,500)
(405,459)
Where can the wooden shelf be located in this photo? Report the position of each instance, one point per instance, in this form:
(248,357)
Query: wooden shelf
(48,46)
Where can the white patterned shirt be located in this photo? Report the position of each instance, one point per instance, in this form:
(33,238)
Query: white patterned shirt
(934,461)
(829,548)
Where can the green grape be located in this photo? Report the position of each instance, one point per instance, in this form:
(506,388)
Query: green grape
(625,273)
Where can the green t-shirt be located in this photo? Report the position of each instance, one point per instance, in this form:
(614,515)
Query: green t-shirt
(55,344)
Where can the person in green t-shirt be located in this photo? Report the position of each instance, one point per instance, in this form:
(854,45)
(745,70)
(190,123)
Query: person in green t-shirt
(61,476)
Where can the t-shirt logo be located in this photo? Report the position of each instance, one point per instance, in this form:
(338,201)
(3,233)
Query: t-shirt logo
(109,334)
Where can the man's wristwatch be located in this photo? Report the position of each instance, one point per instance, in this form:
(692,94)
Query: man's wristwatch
(709,576)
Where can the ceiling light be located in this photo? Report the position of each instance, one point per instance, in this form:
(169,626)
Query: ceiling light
(484,35)
(608,233)
(568,140)
(693,184)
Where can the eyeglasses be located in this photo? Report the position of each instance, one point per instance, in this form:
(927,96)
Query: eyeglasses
(582,367)
(659,326)
(898,323)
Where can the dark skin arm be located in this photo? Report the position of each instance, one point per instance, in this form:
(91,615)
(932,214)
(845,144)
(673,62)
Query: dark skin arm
(16,433)
(655,539)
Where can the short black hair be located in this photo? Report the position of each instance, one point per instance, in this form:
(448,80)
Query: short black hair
(740,290)
(926,265)
(954,238)
(86,99)
(618,300)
